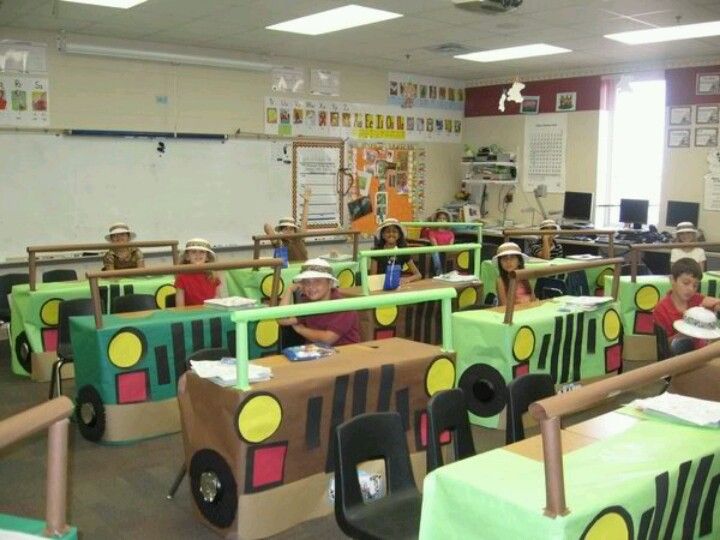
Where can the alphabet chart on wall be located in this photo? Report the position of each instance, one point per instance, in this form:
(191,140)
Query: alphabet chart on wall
(545,151)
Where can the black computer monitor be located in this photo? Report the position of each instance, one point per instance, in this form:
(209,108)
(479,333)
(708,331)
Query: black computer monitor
(634,211)
(679,211)
(577,206)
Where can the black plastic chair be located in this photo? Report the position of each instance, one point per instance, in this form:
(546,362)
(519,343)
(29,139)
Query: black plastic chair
(133,302)
(397,515)
(67,309)
(447,411)
(549,287)
(201,354)
(681,345)
(661,343)
(642,270)
(523,391)
(61,274)
(7,282)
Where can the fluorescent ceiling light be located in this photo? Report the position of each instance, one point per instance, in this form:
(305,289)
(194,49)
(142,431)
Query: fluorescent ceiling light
(512,53)
(668,33)
(333,20)
(158,56)
(123,4)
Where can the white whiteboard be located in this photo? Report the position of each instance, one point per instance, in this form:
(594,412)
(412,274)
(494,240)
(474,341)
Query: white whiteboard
(57,189)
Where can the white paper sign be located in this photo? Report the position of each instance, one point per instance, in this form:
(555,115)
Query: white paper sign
(545,149)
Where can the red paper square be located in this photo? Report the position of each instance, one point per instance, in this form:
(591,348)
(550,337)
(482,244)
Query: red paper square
(132,387)
(644,323)
(521,369)
(49,339)
(384,334)
(613,358)
(268,465)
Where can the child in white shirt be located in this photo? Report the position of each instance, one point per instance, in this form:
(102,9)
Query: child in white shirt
(686,233)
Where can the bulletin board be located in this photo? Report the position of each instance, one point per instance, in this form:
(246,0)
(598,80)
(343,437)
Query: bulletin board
(386,185)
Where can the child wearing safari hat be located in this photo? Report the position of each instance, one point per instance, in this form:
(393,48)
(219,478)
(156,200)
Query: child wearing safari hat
(509,258)
(194,288)
(439,236)
(390,234)
(546,247)
(120,257)
(687,233)
(317,283)
(297,251)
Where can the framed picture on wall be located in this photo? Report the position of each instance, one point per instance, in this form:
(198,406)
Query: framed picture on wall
(680,116)
(706,137)
(678,138)
(707,84)
(530,105)
(565,101)
(707,114)
(471,212)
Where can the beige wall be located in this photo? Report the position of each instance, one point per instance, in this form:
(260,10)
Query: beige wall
(111,94)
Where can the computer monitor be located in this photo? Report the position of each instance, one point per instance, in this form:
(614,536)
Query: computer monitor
(578,206)
(679,211)
(634,211)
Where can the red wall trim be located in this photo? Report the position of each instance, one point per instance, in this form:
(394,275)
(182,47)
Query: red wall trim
(681,86)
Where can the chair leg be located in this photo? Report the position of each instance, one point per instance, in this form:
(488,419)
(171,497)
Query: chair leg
(178,480)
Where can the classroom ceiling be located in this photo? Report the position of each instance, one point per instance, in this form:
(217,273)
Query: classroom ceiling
(403,44)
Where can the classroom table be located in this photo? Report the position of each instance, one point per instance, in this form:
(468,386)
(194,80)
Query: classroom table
(594,277)
(256,284)
(271,447)
(626,476)
(419,322)
(544,336)
(34,314)
(126,373)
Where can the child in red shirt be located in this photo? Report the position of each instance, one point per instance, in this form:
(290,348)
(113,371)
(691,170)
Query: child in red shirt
(684,282)
(194,288)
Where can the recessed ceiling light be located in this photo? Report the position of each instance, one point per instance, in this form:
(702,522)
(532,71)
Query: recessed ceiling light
(668,33)
(123,4)
(333,20)
(511,53)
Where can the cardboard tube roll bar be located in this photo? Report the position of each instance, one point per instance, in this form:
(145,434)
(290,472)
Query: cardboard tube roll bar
(93,277)
(34,250)
(637,249)
(52,415)
(310,234)
(610,233)
(548,412)
(530,273)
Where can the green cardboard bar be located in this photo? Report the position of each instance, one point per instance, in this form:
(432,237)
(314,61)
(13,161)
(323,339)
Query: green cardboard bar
(638,300)
(34,314)
(595,276)
(30,526)
(655,480)
(257,284)
(131,366)
(569,345)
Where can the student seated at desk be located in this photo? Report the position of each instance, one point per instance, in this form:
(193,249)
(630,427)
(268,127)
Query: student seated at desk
(686,233)
(509,258)
(439,236)
(390,234)
(194,288)
(684,282)
(546,247)
(317,283)
(119,257)
(297,251)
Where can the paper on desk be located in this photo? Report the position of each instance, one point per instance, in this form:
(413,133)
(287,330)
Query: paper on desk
(225,371)
(700,412)
(232,302)
(584,257)
(336,257)
(456,277)
(585,301)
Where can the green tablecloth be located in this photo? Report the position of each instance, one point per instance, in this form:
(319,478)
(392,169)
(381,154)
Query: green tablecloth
(571,346)
(34,314)
(257,284)
(637,300)
(655,480)
(30,526)
(594,276)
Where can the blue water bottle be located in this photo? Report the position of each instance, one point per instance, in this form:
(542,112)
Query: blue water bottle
(392,275)
(281,252)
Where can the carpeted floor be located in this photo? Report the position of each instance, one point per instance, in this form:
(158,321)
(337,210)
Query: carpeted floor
(119,491)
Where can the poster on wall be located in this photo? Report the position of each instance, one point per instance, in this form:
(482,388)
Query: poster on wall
(315,170)
(711,199)
(24,101)
(411,91)
(292,117)
(544,152)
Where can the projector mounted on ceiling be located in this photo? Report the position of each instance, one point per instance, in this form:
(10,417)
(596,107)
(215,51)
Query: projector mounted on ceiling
(488,6)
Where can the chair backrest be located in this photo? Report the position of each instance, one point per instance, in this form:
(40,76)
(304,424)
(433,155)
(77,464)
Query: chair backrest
(71,308)
(544,286)
(61,274)
(550,292)
(7,282)
(681,345)
(170,300)
(661,343)
(642,270)
(133,302)
(366,437)
(523,391)
(447,412)
(577,284)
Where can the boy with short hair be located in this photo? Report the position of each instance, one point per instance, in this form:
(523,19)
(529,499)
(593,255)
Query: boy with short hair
(316,283)
(685,280)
